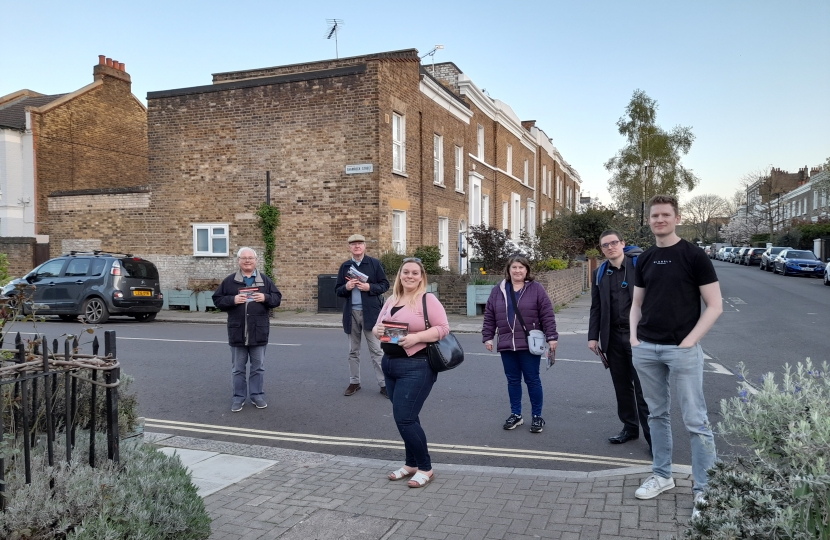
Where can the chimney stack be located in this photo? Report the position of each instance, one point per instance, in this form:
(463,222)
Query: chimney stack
(109,62)
(111,68)
(102,60)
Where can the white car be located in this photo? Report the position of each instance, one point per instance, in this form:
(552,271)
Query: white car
(827,274)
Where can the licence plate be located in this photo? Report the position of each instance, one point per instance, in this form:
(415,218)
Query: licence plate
(142,293)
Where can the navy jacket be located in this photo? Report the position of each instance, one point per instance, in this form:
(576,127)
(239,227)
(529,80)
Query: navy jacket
(372,299)
(248,323)
(537,312)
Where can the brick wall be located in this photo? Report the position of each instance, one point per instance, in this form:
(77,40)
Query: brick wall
(20,252)
(97,139)
(452,291)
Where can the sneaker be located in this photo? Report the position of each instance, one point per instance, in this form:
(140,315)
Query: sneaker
(654,486)
(237,406)
(259,402)
(537,424)
(700,500)
(513,421)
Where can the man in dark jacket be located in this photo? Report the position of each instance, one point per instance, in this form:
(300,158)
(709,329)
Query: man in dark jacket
(608,333)
(246,296)
(362,288)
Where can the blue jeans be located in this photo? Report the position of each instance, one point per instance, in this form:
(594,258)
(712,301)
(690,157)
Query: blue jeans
(518,364)
(408,383)
(253,386)
(655,364)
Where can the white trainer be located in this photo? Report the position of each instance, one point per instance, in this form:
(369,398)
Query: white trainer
(700,500)
(654,486)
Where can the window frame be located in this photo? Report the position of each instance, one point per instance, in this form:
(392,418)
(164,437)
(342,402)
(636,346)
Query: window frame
(444,241)
(510,159)
(544,179)
(399,143)
(459,169)
(480,142)
(526,173)
(438,159)
(399,244)
(211,236)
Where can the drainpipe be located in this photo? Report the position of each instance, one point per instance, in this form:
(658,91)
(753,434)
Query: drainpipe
(421,172)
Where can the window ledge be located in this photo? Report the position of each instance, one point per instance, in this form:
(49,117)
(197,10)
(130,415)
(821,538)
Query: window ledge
(211,255)
(436,184)
(400,173)
(461,191)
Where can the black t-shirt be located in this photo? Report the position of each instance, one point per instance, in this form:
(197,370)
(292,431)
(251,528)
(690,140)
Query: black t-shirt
(671,277)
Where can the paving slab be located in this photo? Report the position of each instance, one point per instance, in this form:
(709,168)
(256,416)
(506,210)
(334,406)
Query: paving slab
(211,471)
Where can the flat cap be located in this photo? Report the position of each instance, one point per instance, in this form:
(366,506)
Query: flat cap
(357,238)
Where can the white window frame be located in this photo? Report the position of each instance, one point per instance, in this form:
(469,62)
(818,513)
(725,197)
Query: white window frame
(459,169)
(544,179)
(505,215)
(475,201)
(516,216)
(559,188)
(399,142)
(510,159)
(550,184)
(480,142)
(527,168)
(399,231)
(531,218)
(485,210)
(438,159)
(211,237)
(544,216)
(444,241)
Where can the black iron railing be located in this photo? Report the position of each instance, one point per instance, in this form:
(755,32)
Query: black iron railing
(33,367)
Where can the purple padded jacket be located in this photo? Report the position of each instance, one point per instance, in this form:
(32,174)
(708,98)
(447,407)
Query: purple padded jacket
(536,309)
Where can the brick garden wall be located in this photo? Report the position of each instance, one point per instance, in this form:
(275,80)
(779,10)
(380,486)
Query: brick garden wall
(20,252)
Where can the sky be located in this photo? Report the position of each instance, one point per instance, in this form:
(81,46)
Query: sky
(751,78)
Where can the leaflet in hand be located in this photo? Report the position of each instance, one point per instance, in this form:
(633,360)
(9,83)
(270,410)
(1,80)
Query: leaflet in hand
(248,292)
(393,331)
(354,273)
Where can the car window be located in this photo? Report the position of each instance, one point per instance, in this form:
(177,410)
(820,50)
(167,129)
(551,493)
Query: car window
(139,269)
(50,269)
(801,255)
(97,267)
(77,267)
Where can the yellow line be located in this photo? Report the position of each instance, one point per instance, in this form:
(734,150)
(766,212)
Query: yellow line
(381,443)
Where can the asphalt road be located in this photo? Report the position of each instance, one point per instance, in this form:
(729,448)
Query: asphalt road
(182,377)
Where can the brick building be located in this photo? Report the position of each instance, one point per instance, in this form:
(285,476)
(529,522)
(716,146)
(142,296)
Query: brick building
(372,144)
(92,139)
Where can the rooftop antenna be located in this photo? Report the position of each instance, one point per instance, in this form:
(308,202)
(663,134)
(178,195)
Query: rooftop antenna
(334,27)
(432,54)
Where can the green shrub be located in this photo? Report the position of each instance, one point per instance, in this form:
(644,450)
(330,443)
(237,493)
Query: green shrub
(551,264)
(592,253)
(391,262)
(4,269)
(149,495)
(431,259)
(782,490)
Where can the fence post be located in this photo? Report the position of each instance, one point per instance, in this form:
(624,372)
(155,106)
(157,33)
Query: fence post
(24,405)
(93,411)
(47,396)
(112,376)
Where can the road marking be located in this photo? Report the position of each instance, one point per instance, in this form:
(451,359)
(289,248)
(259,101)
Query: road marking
(736,300)
(395,445)
(558,359)
(720,369)
(200,341)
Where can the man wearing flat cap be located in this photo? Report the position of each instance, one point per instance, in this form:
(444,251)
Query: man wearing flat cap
(362,282)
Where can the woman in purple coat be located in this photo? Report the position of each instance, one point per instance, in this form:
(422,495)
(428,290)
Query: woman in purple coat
(500,317)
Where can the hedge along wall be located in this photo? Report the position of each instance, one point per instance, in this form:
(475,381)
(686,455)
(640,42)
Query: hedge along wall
(562,286)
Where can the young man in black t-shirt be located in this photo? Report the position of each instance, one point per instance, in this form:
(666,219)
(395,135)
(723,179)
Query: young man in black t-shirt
(666,327)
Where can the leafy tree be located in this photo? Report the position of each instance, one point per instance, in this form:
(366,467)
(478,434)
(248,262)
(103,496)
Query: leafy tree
(431,259)
(491,245)
(590,224)
(700,212)
(649,163)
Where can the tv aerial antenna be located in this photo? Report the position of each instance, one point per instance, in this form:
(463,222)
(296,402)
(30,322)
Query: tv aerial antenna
(432,54)
(333,29)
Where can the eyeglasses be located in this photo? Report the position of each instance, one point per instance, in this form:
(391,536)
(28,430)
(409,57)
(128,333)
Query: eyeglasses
(412,259)
(247,258)
(607,245)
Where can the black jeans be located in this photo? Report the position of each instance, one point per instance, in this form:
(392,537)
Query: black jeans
(631,406)
(408,384)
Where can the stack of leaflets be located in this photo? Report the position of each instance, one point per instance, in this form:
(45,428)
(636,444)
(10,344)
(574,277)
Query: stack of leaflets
(354,273)
(248,292)
(393,331)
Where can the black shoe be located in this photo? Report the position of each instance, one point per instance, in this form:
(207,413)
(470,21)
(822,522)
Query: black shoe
(513,421)
(383,392)
(537,424)
(623,437)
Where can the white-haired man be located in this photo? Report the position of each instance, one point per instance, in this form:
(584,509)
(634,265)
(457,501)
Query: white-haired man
(246,296)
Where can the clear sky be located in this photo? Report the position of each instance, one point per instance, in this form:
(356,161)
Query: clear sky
(752,78)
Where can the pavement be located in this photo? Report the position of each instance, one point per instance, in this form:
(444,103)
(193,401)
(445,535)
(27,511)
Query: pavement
(263,492)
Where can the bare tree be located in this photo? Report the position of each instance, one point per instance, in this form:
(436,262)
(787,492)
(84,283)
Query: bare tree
(700,211)
(764,191)
(735,202)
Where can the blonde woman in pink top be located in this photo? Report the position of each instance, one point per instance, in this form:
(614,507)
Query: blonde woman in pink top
(409,378)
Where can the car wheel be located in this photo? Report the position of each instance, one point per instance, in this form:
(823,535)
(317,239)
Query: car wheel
(827,279)
(95,311)
(145,317)
(68,318)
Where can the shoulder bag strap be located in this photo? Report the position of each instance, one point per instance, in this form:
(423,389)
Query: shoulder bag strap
(426,317)
(516,307)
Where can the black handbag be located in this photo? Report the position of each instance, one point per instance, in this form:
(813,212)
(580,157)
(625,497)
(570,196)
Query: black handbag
(444,354)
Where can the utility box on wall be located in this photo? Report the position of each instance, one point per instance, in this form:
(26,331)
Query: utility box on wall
(327,300)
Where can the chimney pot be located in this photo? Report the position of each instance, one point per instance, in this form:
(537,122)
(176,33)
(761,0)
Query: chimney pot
(109,62)
(121,66)
(101,60)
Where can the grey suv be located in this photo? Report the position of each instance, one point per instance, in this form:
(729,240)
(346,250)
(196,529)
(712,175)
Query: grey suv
(94,285)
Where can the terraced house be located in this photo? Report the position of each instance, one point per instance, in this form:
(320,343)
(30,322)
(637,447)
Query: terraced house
(375,144)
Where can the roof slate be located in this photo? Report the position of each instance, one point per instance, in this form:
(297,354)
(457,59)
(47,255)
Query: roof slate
(13,115)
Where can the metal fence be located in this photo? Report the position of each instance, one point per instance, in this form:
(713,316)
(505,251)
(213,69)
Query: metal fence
(30,374)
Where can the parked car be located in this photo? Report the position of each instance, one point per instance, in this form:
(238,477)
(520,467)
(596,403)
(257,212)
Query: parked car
(827,273)
(753,256)
(739,255)
(95,285)
(707,250)
(798,262)
(729,255)
(721,253)
(769,255)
